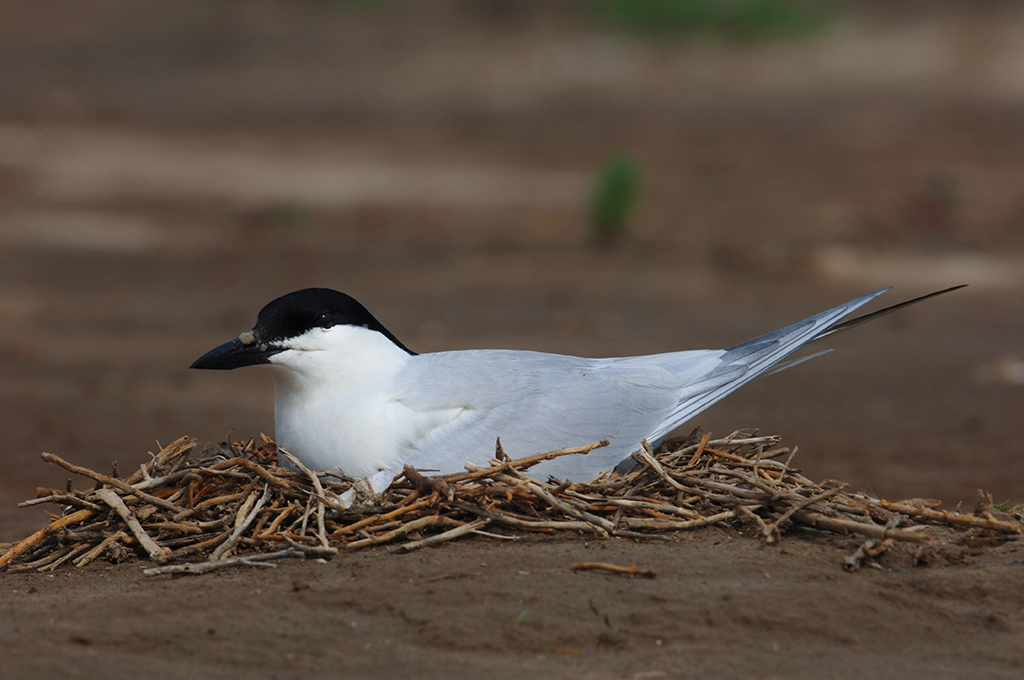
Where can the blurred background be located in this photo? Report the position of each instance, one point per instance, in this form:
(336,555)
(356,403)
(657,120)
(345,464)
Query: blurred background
(596,177)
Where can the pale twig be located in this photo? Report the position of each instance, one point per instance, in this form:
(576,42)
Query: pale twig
(154,482)
(769,531)
(71,554)
(237,533)
(870,548)
(259,470)
(699,451)
(47,558)
(356,526)
(155,552)
(647,456)
(321,497)
(243,561)
(637,504)
(517,478)
(773,529)
(272,529)
(673,525)
(110,481)
(469,527)
(64,498)
(249,499)
(631,572)
(408,527)
(98,549)
(842,526)
(985,522)
(523,463)
(534,525)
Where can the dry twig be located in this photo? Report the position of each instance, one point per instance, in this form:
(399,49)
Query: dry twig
(631,572)
(201,510)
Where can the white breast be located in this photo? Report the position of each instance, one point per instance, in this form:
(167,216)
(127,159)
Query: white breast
(335,404)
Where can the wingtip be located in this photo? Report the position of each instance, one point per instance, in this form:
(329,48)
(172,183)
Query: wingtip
(870,316)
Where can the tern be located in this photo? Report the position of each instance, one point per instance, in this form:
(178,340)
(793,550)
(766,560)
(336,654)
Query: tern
(350,396)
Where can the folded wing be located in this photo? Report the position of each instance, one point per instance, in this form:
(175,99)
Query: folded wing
(540,402)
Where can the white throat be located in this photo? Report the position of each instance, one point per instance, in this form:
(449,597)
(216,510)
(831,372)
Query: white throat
(331,360)
(323,400)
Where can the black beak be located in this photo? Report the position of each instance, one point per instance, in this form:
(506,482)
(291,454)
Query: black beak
(236,353)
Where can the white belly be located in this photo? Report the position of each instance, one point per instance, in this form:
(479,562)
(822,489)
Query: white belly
(360,430)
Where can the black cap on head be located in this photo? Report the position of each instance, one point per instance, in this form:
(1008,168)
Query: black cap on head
(290,316)
(293,314)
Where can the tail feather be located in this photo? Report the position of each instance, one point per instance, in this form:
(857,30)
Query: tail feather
(871,316)
(856,321)
(762,355)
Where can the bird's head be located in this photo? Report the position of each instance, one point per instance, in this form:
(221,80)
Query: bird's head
(314,329)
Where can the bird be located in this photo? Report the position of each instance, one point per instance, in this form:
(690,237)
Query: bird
(351,398)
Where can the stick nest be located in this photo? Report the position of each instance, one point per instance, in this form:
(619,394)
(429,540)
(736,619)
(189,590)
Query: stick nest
(191,509)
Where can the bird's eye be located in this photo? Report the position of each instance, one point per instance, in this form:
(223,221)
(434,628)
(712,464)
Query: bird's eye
(324,319)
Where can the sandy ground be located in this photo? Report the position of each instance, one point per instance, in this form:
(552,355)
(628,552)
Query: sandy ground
(722,606)
(164,174)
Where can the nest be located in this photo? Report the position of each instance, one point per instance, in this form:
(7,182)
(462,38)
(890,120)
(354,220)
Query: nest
(192,509)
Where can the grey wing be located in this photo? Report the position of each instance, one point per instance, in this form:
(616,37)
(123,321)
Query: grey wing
(742,363)
(539,402)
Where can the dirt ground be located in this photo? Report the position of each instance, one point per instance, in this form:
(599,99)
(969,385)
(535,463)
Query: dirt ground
(165,172)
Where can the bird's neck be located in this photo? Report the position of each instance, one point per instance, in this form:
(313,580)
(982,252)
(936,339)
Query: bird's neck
(348,357)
